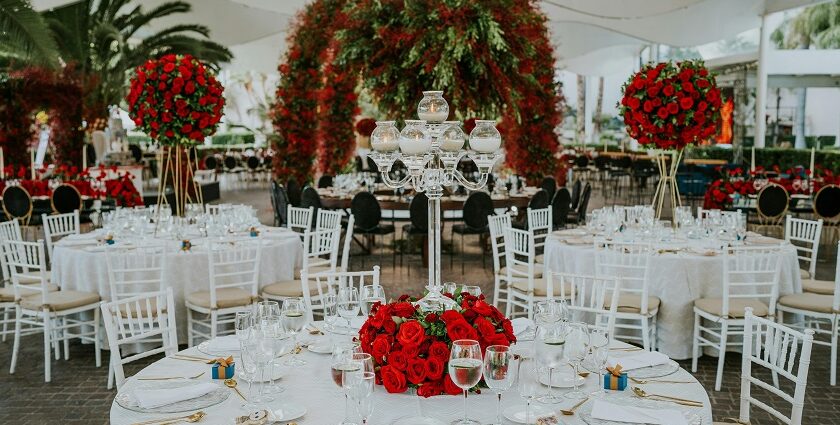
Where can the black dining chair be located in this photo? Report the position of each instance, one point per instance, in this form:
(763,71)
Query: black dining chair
(771,206)
(367,215)
(66,199)
(293,191)
(280,203)
(211,163)
(576,187)
(549,184)
(17,203)
(581,165)
(310,198)
(539,201)
(136,153)
(560,207)
(578,216)
(827,207)
(620,171)
(418,215)
(476,208)
(325,182)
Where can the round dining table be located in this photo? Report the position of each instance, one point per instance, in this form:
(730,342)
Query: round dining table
(681,272)
(311,388)
(79,263)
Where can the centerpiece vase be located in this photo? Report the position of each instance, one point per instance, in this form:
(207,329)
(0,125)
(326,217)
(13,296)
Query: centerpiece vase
(178,172)
(667,162)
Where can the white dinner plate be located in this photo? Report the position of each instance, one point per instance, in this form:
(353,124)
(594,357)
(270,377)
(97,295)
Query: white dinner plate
(126,400)
(516,414)
(288,412)
(657,371)
(561,379)
(204,347)
(321,347)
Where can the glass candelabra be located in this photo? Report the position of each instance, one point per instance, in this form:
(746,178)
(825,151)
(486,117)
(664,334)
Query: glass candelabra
(431,151)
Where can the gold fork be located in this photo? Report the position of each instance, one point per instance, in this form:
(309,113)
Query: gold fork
(656,381)
(164,378)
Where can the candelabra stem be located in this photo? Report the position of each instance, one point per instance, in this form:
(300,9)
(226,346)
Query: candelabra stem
(434,241)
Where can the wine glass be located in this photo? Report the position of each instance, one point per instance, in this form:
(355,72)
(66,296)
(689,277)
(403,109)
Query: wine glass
(472,290)
(359,383)
(498,374)
(528,383)
(261,347)
(550,350)
(293,319)
(450,288)
(242,323)
(370,295)
(248,369)
(267,309)
(599,343)
(340,364)
(465,366)
(576,347)
(348,303)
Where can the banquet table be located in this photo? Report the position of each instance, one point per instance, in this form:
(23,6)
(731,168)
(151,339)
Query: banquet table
(682,271)
(79,263)
(447,203)
(311,386)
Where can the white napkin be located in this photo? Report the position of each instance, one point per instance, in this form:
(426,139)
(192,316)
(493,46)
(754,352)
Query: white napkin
(521,324)
(639,360)
(224,344)
(619,413)
(151,398)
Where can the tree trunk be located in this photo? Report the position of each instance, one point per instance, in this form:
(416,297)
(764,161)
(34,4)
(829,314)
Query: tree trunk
(799,125)
(596,129)
(581,109)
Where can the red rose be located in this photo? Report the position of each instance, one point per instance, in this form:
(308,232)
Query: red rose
(652,91)
(460,329)
(668,90)
(449,387)
(380,347)
(186,128)
(485,328)
(702,83)
(633,103)
(699,118)
(638,83)
(430,389)
(497,339)
(686,86)
(416,370)
(411,333)
(686,102)
(393,379)
(481,307)
(451,315)
(411,351)
(470,315)
(702,105)
(189,88)
(403,309)
(648,106)
(662,113)
(389,325)
(398,360)
(673,108)
(439,350)
(434,368)
(431,318)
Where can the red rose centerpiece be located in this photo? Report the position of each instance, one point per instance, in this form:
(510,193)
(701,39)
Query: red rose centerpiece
(668,106)
(410,347)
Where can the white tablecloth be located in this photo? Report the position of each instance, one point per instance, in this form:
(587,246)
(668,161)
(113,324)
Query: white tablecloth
(311,386)
(677,279)
(80,268)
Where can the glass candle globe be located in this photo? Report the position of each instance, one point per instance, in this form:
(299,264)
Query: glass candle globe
(452,137)
(385,137)
(485,138)
(414,139)
(433,107)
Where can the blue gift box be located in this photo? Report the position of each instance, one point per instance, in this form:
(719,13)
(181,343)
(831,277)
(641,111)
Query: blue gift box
(615,383)
(223,372)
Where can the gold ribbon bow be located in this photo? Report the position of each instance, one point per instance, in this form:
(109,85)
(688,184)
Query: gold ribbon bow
(186,245)
(223,362)
(615,371)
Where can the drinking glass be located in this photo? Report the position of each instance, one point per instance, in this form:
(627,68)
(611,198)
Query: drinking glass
(370,295)
(249,371)
(293,319)
(340,364)
(465,366)
(498,373)
(550,350)
(359,383)
(450,288)
(472,290)
(599,347)
(242,324)
(576,347)
(527,380)
(266,309)
(261,347)
(348,303)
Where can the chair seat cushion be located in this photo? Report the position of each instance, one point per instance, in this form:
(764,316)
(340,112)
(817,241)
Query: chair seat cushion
(463,229)
(804,274)
(60,300)
(288,288)
(810,302)
(823,287)
(7,294)
(736,306)
(632,303)
(540,287)
(538,270)
(381,229)
(313,270)
(225,298)
(539,259)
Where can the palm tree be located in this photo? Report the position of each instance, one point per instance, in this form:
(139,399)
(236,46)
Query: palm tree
(816,26)
(104,42)
(24,36)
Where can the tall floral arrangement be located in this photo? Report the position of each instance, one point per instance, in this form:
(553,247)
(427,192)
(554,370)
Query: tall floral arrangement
(670,105)
(410,347)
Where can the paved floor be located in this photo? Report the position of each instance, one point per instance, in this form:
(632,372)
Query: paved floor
(78,394)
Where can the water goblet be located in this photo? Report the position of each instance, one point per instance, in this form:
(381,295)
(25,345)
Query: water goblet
(348,303)
(370,295)
(341,364)
(528,383)
(293,318)
(576,348)
(498,373)
(472,290)
(465,366)
(550,352)
(599,344)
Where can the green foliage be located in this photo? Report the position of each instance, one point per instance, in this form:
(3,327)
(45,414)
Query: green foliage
(24,36)
(817,25)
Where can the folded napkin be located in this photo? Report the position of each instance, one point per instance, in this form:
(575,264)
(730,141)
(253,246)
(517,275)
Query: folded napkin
(570,232)
(607,411)
(224,344)
(77,242)
(151,398)
(521,324)
(639,360)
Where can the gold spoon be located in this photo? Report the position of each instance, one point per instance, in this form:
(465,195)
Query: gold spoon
(231,383)
(642,393)
(583,374)
(195,417)
(571,410)
(655,381)
(164,378)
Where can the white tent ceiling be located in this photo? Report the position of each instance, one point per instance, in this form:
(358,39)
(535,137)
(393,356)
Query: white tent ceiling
(592,37)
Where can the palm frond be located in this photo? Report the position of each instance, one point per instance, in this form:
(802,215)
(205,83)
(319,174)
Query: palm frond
(138,20)
(24,34)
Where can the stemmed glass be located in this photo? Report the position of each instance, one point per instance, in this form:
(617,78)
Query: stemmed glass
(528,385)
(266,309)
(576,347)
(261,349)
(294,318)
(370,295)
(348,303)
(243,324)
(550,348)
(450,288)
(472,290)
(599,343)
(340,364)
(359,384)
(465,366)
(498,374)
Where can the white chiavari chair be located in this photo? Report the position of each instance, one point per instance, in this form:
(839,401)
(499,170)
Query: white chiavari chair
(784,352)
(9,230)
(497,225)
(328,220)
(51,311)
(821,313)
(750,279)
(320,249)
(299,219)
(540,226)
(805,236)
(637,309)
(234,274)
(57,226)
(524,287)
(146,318)
(135,271)
(348,240)
(589,299)
(322,284)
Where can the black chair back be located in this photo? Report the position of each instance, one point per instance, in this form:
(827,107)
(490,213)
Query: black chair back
(584,203)
(582,161)
(210,162)
(366,211)
(371,164)
(576,194)
(602,162)
(772,201)
(622,162)
(136,153)
(280,202)
(560,206)
(293,191)
(310,198)
(418,212)
(477,207)
(540,200)
(549,185)
(252,162)
(91,154)
(17,203)
(66,199)
(230,162)
(827,202)
(359,164)
(325,182)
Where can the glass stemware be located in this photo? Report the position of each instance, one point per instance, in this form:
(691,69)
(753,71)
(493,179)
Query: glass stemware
(340,364)
(465,366)
(293,319)
(576,348)
(599,343)
(370,295)
(498,374)
(267,309)
(550,350)
(527,381)
(348,303)
(472,290)
(359,384)
(260,346)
